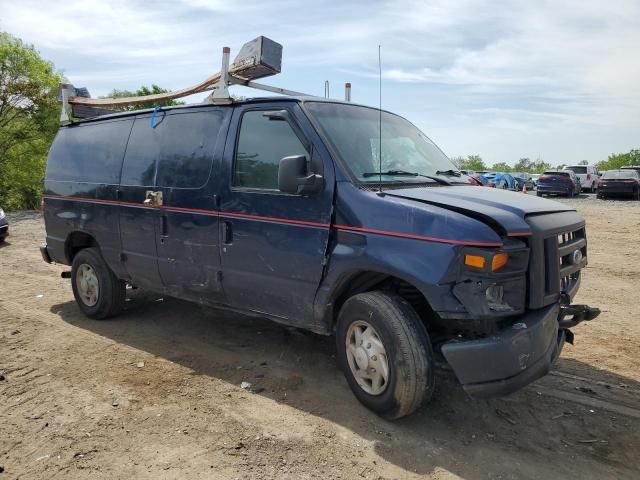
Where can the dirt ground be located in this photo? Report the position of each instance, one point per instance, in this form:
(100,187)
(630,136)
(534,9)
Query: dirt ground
(155,393)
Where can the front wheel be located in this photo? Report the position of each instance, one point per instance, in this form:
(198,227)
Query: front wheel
(98,292)
(385,353)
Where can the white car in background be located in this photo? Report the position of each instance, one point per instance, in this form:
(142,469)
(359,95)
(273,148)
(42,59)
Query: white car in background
(588,175)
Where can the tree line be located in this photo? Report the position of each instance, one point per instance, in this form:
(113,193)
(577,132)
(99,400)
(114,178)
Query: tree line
(29,120)
(477,164)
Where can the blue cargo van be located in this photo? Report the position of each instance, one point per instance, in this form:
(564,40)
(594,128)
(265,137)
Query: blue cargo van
(327,216)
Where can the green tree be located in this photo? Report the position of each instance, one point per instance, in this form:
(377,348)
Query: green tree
(501,167)
(539,166)
(617,160)
(523,165)
(472,162)
(143,90)
(29,114)
(583,162)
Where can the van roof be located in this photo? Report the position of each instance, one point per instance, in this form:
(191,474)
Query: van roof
(278,98)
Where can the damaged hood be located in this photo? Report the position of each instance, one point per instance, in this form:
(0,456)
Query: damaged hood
(501,208)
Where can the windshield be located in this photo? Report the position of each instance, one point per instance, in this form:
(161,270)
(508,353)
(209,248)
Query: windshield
(620,174)
(355,133)
(577,169)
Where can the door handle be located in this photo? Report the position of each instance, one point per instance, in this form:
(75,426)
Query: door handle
(227,232)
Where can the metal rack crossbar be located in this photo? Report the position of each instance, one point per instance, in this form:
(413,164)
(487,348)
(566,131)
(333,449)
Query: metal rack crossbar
(259,58)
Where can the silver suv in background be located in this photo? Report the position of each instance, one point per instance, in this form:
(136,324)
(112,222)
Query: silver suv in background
(588,175)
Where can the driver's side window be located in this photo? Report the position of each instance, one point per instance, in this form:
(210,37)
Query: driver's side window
(262,142)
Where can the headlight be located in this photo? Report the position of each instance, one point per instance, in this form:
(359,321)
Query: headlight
(492,282)
(1,213)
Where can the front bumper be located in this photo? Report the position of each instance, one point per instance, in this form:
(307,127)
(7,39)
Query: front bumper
(512,358)
(4,230)
(45,253)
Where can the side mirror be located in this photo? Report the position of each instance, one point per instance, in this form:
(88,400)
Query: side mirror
(293,177)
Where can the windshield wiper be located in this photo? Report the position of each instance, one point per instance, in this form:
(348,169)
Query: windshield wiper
(403,173)
(449,173)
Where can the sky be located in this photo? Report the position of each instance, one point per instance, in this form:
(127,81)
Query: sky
(551,79)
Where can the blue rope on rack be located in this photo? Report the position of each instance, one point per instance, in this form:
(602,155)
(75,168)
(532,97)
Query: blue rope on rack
(152,120)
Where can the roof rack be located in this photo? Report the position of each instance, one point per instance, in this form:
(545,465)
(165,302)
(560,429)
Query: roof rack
(258,58)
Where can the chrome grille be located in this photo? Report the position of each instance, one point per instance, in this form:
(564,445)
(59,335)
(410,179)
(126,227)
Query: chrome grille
(571,257)
(552,271)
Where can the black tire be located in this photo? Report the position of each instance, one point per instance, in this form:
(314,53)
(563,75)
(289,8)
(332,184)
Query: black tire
(538,193)
(111,291)
(408,352)
(636,194)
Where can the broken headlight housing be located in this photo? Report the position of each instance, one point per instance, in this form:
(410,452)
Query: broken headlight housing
(492,282)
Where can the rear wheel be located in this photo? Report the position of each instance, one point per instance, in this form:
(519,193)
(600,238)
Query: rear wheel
(636,194)
(539,193)
(385,353)
(98,292)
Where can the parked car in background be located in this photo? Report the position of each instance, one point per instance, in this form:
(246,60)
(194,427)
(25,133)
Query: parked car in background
(523,179)
(623,182)
(534,179)
(559,182)
(588,175)
(498,180)
(631,167)
(4,226)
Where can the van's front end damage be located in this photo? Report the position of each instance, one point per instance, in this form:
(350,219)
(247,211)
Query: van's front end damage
(524,305)
(508,360)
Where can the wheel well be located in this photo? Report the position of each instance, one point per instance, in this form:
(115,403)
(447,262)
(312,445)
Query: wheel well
(77,241)
(369,281)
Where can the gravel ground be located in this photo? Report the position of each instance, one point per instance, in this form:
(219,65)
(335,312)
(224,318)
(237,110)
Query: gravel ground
(155,393)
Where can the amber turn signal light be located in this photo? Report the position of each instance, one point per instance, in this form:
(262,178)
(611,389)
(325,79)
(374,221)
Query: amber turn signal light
(476,261)
(498,261)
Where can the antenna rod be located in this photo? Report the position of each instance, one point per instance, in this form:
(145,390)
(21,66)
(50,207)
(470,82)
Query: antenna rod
(380,117)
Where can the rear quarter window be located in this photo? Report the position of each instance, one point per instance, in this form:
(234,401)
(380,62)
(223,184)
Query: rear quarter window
(89,153)
(176,152)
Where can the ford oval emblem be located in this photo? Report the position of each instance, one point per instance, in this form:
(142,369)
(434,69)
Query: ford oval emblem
(576,258)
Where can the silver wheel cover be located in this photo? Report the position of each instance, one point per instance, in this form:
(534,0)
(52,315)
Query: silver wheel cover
(87,285)
(367,358)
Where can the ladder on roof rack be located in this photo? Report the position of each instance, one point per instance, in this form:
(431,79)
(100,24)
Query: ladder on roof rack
(258,58)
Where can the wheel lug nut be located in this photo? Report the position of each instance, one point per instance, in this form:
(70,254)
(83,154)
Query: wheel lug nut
(368,345)
(374,358)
